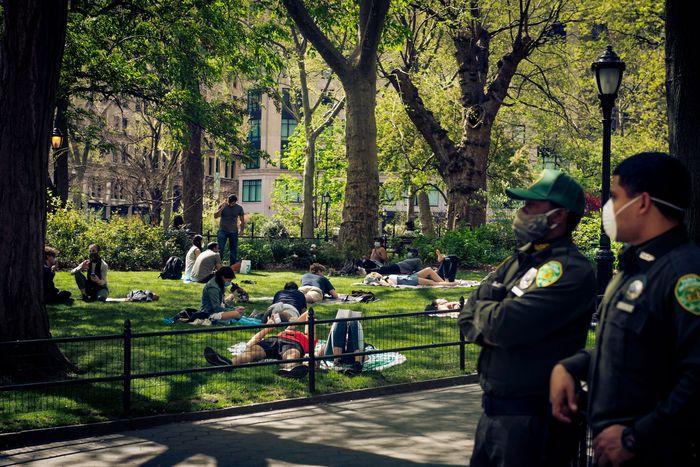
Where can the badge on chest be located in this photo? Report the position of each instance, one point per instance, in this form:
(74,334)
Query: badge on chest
(632,290)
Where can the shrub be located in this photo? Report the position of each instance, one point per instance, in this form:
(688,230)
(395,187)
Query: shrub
(587,237)
(258,251)
(126,242)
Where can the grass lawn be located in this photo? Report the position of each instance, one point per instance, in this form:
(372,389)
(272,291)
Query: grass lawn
(209,390)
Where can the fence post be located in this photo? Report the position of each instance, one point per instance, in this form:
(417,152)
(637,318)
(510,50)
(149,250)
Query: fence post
(126,407)
(312,350)
(252,230)
(462,348)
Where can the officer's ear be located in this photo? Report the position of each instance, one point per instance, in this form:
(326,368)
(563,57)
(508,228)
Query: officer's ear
(559,216)
(645,203)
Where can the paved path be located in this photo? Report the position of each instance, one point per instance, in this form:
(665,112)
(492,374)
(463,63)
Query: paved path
(433,427)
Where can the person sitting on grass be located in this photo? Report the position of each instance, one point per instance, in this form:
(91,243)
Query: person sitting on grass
(206,264)
(192,255)
(94,286)
(426,276)
(314,285)
(289,344)
(51,294)
(346,337)
(377,258)
(213,297)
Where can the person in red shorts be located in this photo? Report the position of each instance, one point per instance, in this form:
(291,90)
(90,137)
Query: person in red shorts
(289,344)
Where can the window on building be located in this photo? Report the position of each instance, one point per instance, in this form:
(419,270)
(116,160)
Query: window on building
(218,166)
(226,165)
(115,122)
(252,191)
(254,163)
(255,115)
(433,198)
(210,166)
(289,123)
(125,122)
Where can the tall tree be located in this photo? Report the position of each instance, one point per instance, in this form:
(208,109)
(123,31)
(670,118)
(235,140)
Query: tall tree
(31,48)
(358,74)
(683,97)
(483,88)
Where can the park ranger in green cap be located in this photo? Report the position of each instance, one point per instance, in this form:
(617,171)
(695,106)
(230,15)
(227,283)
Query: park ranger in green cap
(528,314)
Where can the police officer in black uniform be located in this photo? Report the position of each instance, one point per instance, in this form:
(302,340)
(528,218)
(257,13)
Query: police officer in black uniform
(531,312)
(644,374)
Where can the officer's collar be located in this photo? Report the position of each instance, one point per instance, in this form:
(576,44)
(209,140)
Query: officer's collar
(645,255)
(543,248)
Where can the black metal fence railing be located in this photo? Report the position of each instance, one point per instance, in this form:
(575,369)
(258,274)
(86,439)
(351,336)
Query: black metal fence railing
(136,373)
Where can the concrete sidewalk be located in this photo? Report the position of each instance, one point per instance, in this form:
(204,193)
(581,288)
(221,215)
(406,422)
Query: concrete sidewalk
(433,427)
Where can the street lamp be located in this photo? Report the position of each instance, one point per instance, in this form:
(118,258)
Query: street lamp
(326,199)
(608,76)
(56,138)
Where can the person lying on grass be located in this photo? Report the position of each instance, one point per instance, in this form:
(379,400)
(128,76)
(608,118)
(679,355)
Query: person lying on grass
(286,345)
(442,304)
(426,276)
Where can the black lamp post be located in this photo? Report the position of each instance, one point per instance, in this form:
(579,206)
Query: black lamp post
(608,76)
(326,199)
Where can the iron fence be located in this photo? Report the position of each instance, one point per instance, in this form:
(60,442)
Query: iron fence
(140,373)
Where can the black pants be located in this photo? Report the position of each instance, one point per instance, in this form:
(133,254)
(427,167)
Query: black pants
(523,441)
(389,269)
(448,268)
(60,297)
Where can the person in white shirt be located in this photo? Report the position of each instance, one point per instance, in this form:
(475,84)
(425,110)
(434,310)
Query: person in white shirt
(192,255)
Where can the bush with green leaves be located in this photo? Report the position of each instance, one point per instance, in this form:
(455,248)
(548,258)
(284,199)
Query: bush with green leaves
(587,237)
(126,243)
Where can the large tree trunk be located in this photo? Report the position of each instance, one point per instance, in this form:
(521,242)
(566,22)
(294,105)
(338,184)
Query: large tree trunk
(683,97)
(360,216)
(192,180)
(60,170)
(30,59)
(426,216)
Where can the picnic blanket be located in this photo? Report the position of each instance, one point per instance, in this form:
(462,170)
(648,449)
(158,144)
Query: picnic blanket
(457,284)
(244,321)
(342,298)
(374,362)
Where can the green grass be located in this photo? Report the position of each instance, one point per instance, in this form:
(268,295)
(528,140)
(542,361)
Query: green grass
(210,390)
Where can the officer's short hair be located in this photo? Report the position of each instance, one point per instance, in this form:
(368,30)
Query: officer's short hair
(662,176)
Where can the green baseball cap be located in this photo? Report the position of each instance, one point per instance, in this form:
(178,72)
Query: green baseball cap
(554,186)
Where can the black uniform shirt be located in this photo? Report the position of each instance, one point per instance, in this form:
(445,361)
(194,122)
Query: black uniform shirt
(645,369)
(540,314)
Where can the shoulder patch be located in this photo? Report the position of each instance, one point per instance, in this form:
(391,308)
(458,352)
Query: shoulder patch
(549,273)
(687,293)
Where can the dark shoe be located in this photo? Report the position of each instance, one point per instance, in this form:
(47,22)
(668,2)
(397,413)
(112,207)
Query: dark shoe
(355,370)
(295,372)
(214,358)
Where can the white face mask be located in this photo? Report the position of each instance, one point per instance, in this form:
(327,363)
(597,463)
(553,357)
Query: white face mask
(610,216)
(377,244)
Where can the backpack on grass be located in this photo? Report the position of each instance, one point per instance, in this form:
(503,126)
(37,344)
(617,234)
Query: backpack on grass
(172,269)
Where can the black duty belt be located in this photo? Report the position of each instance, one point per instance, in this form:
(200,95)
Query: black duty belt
(495,405)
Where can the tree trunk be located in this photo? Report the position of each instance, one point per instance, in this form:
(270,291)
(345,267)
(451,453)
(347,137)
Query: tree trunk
(30,59)
(426,216)
(683,98)
(359,225)
(307,220)
(192,180)
(60,171)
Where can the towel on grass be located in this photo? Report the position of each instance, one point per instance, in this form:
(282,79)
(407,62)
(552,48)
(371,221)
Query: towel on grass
(244,321)
(457,284)
(374,362)
(342,298)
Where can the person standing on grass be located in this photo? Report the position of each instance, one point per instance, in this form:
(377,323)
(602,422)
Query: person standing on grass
(528,314)
(644,374)
(94,285)
(230,213)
